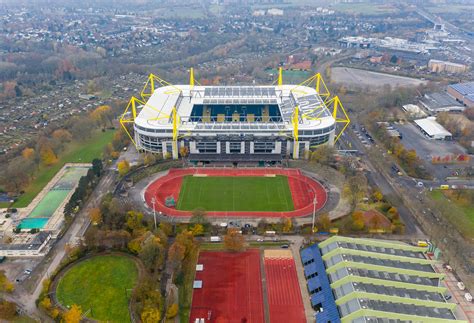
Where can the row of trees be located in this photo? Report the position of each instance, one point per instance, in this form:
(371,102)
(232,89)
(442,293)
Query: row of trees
(408,159)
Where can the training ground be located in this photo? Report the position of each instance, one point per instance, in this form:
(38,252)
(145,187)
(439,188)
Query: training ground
(232,287)
(255,192)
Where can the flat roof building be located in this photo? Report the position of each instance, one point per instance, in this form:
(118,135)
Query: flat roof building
(433,129)
(441,102)
(365,280)
(463,92)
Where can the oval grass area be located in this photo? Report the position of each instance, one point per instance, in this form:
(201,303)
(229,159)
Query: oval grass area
(101,286)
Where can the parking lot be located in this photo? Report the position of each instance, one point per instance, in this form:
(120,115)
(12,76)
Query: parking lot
(17,269)
(425,148)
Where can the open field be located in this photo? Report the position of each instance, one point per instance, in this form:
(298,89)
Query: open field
(292,76)
(451,8)
(461,214)
(77,152)
(232,287)
(364,8)
(101,284)
(235,193)
(362,78)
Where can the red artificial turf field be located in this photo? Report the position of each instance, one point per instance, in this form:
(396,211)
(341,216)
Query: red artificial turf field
(231,288)
(302,189)
(284,295)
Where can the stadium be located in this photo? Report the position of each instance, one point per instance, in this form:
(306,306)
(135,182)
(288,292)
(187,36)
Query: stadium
(245,126)
(234,124)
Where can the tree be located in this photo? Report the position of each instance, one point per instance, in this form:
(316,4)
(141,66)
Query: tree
(184,151)
(324,222)
(197,229)
(134,220)
(62,135)
(199,217)
(73,315)
(152,254)
(324,155)
(377,195)
(47,155)
(149,159)
(172,311)
(150,315)
(17,174)
(5,284)
(176,255)
(166,228)
(97,167)
(95,216)
(103,115)
(123,167)
(234,240)
(358,220)
(287,224)
(7,310)
(28,153)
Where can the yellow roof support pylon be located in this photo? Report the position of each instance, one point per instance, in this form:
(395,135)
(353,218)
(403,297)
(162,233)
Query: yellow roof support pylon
(339,114)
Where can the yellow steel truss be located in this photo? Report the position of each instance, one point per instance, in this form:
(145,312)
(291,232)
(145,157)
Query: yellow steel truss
(295,120)
(339,114)
(332,103)
(154,81)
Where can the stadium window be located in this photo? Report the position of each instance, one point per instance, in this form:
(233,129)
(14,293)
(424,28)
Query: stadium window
(263,147)
(207,147)
(234,147)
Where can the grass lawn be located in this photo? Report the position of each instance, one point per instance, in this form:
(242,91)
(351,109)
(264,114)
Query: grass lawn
(235,193)
(77,152)
(460,215)
(185,287)
(102,284)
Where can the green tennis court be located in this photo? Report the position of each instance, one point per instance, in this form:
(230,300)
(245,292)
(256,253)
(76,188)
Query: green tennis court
(235,193)
(50,202)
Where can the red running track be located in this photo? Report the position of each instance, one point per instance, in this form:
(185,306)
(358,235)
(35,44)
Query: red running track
(283,290)
(231,288)
(302,191)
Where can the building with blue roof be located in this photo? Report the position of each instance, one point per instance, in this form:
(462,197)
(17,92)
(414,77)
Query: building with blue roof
(463,92)
(354,280)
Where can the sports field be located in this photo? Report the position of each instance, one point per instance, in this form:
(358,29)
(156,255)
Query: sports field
(101,285)
(231,287)
(235,193)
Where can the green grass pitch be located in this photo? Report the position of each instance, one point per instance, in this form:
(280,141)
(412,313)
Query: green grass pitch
(235,193)
(101,284)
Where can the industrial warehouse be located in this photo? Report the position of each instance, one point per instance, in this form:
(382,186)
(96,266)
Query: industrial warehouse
(235,123)
(364,280)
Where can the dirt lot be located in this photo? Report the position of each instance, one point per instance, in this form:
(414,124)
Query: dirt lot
(353,76)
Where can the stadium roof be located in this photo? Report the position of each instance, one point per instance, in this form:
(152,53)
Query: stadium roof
(374,281)
(432,128)
(156,113)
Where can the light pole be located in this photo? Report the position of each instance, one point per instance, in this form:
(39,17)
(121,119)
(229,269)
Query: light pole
(153,201)
(315,201)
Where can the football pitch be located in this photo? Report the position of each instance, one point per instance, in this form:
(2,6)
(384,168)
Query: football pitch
(235,193)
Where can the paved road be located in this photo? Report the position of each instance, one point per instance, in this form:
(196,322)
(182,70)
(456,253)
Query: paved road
(76,231)
(385,185)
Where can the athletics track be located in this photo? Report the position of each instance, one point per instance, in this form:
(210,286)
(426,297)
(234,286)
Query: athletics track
(302,191)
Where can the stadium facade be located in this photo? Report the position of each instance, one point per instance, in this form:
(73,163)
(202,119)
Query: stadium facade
(234,123)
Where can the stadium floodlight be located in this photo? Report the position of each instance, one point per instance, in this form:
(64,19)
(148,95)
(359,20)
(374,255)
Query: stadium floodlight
(153,202)
(315,201)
